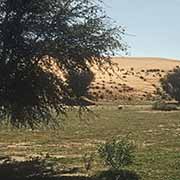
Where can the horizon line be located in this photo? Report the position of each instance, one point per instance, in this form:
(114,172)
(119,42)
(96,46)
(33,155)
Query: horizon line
(149,57)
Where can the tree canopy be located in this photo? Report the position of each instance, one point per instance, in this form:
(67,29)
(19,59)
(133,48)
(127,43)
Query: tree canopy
(74,33)
(171,84)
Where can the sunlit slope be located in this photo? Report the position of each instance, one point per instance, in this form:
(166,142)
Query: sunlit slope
(132,77)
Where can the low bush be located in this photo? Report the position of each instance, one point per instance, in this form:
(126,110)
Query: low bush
(163,106)
(117,153)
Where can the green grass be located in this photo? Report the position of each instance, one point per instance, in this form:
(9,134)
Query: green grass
(156,135)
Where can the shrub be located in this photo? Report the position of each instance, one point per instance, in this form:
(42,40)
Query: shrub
(110,92)
(117,153)
(163,106)
(101,96)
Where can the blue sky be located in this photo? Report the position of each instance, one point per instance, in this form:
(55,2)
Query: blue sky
(155,24)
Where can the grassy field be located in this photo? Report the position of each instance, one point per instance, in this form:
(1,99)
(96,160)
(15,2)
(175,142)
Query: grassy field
(156,135)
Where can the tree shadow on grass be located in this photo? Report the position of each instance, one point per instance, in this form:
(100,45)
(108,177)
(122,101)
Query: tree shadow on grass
(38,169)
(23,170)
(117,175)
(34,169)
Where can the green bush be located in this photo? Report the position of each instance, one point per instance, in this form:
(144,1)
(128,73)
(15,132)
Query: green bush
(163,106)
(117,153)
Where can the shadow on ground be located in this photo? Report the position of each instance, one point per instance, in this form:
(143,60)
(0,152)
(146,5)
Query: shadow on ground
(117,175)
(37,169)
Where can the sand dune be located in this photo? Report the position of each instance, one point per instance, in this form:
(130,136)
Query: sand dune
(132,77)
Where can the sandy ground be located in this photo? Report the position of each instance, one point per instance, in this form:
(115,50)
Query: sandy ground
(132,77)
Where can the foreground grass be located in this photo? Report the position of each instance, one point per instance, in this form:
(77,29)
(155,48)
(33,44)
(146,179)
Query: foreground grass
(156,134)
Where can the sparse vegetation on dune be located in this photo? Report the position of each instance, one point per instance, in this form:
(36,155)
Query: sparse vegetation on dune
(139,74)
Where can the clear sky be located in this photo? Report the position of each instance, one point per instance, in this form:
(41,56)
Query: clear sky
(155,25)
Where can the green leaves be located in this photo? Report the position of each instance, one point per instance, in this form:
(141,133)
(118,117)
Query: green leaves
(74,33)
(171,84)
(117,153)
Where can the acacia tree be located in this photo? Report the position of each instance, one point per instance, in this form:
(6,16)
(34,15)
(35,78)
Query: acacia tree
(171,84)
(75,33)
